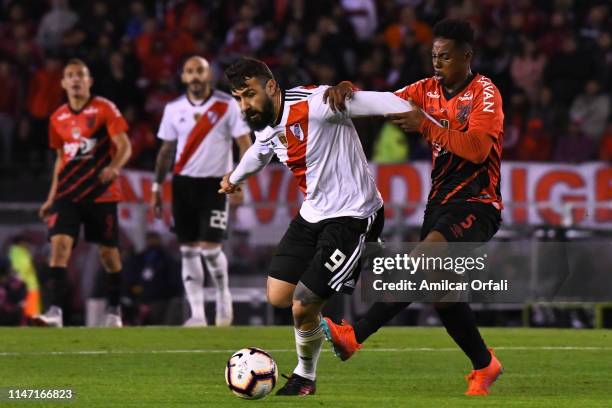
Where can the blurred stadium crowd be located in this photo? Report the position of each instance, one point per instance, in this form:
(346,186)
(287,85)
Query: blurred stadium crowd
(551,60)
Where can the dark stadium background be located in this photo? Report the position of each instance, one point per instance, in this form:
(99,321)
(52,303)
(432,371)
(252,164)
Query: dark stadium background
(551,60)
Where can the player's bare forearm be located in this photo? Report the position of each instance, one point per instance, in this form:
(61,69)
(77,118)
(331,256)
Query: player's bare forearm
(123,152)
(164,160)
(56,169)
(244,142)
(44,210)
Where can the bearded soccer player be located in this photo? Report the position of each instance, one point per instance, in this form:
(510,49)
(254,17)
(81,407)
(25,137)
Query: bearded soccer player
(464,204)
(89,135)
(318,255)
(197,130)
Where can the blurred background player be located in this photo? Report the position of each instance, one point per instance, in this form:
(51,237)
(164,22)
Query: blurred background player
(89,136)
(197,131)
(464,203)
(342,208)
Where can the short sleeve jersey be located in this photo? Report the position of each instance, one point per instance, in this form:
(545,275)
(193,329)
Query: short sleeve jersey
(85,139)
(475,107)
(204,134)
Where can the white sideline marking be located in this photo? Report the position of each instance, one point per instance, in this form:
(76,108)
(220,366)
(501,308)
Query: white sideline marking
(205,351)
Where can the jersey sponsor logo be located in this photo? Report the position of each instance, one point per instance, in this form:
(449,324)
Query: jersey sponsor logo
(90,110)
(81,149)
(63,116)
(466,96)
(488,95)
(434,94)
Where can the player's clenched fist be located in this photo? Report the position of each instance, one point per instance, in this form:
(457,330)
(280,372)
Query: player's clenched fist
(409,121)
(227,187)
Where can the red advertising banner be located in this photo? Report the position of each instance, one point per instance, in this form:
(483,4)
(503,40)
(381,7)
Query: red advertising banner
(533,194)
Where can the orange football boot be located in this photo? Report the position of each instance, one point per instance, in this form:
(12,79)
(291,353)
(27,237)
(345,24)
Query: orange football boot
(341,336)
(479,381)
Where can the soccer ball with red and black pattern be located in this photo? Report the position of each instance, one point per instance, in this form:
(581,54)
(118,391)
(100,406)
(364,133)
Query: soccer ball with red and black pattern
(251,373)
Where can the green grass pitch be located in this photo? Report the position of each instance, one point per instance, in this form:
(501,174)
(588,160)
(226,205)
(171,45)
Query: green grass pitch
(398,367)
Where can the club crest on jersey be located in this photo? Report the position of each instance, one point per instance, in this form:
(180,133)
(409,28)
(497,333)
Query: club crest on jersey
(297,131)
(434,94)
(283,139)
(212,117)
(76,133)
(197,116)
(464,112)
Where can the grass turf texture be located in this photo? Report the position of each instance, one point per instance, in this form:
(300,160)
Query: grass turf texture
(177,367)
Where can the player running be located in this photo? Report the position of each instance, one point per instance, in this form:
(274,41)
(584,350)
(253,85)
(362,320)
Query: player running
(89,135)
(197,130)
(319,253)
(464,204)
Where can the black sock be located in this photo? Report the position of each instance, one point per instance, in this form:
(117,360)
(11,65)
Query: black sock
(113,288)
(56,285)
(459,321)
(376,317)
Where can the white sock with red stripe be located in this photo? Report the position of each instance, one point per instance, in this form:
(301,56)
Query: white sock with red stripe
(308,345)
(193,280)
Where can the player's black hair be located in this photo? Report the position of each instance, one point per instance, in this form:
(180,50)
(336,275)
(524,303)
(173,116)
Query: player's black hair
(458,30)
(246,68)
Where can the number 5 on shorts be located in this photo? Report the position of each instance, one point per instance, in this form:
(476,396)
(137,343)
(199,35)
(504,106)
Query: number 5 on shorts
(336,258)
(218,219)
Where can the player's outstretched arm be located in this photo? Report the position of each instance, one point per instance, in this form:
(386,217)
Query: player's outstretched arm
(46,207)
(163,162)
(243,142)
(254,159)
(122,155)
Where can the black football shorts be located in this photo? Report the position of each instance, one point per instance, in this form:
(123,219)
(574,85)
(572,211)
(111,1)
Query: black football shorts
(467,222)
(99,221)
(199,211)
(325,255)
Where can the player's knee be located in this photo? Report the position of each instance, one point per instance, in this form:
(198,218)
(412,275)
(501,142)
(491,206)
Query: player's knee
(60,252)
(110,258)
(278,300)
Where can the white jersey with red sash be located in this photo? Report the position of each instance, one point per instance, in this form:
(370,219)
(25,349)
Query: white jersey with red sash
(203,133)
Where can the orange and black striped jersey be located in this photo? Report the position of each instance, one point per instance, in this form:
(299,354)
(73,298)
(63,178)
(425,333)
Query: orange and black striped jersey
(85,139)
(464,169)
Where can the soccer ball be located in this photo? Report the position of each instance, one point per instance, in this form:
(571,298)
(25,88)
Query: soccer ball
(251,373)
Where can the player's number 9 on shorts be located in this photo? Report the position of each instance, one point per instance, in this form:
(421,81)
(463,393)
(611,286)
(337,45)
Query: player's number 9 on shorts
(337,258)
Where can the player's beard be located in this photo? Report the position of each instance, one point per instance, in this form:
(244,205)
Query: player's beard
(198,89)
(261,119)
